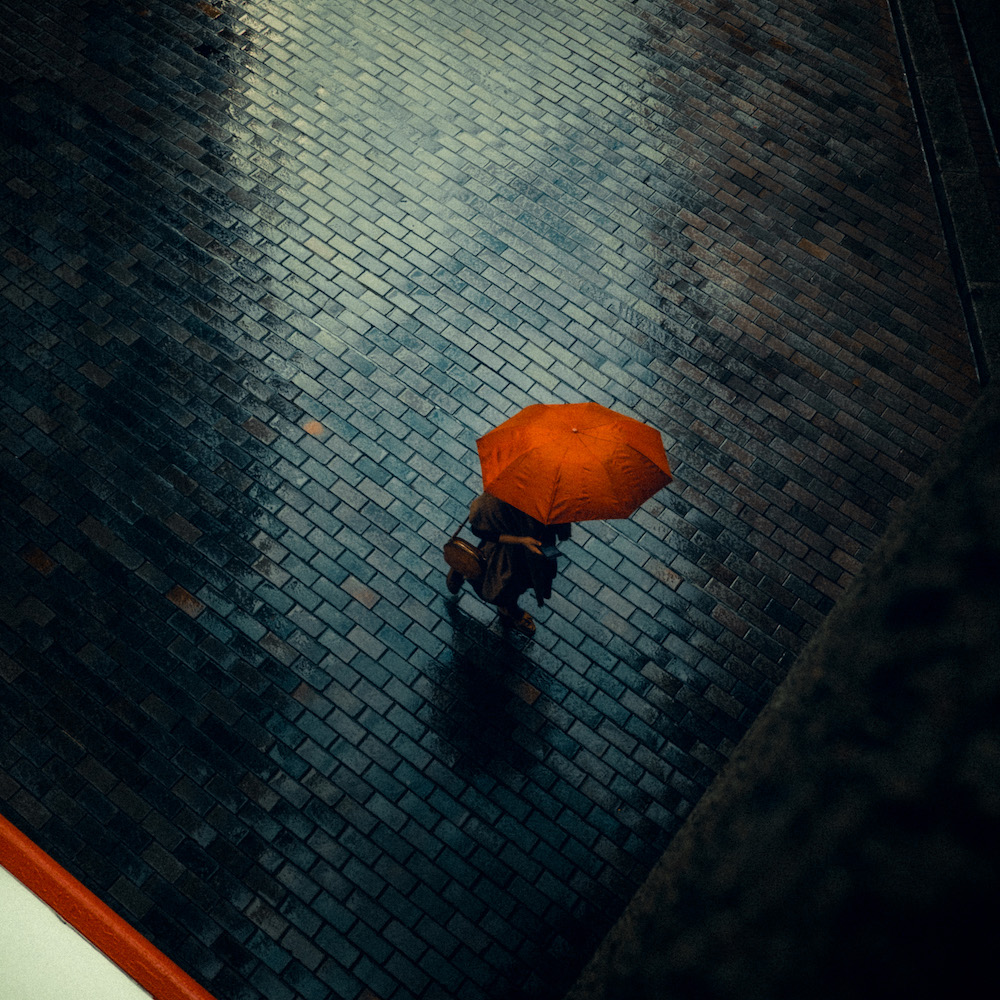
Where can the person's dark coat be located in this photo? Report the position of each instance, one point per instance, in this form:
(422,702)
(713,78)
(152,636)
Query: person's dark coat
(510,570)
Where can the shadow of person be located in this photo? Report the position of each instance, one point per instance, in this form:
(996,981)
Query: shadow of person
(481,698)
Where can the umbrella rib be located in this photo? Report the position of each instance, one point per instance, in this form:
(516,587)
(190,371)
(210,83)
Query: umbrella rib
(599,462)
(646,458)
(556,479)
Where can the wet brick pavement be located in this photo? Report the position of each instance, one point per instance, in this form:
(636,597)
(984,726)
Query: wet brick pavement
(268,271)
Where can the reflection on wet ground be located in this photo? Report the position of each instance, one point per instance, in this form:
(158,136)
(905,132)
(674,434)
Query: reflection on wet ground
(267,275)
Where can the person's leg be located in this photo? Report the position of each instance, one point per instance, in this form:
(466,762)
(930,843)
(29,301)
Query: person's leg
(511,616)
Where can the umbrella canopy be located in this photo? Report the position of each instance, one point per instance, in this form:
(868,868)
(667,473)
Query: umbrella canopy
(573,462)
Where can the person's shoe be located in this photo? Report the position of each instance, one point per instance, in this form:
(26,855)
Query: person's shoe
(519,620)
(455,581)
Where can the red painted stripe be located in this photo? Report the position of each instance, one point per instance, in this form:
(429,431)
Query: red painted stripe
(99,924)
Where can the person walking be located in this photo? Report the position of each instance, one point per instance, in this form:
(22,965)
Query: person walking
(518,553)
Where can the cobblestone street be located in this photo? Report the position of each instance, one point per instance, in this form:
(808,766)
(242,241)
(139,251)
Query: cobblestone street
(268,271)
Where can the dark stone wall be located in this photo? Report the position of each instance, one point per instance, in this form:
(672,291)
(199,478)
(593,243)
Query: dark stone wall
(850,848)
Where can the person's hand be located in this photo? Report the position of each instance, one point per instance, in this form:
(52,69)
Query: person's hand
(531,544)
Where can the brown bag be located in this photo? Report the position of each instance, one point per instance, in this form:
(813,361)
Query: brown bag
(463,557)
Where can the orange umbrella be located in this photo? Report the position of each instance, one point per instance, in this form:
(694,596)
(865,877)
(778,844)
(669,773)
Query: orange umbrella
(573,462)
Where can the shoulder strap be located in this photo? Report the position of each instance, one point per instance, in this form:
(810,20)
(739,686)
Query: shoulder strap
(460,527)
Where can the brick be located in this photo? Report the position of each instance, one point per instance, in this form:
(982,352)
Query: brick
(255,349)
